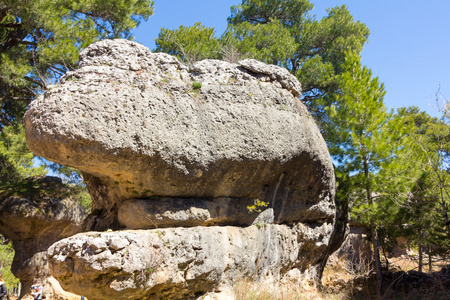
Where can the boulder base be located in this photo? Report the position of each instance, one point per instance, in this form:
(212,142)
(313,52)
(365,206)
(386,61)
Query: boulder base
(182,263)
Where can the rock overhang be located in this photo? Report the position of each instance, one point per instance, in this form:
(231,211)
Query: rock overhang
(138,121)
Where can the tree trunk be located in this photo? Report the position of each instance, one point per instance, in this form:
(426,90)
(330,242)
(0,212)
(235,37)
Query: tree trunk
(420,257)
(385,257)
(373,231)
(446,220)
(376,257)
(430,261)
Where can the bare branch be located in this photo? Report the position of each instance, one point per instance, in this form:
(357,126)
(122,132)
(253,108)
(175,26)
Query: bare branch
(28,43)
(13,25)
(43,85)
(58,70)
(40,83)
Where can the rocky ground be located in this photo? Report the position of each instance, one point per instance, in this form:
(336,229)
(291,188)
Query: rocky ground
(401,281)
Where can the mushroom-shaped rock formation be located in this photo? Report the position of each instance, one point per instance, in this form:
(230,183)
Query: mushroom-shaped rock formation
(163,146)
(35,213)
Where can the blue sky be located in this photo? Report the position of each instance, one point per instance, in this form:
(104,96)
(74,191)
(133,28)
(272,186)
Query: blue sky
(408,49)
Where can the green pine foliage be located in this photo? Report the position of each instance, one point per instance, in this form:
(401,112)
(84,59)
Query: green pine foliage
(319,45)
(261,11)
(189,44)
(16,160)
(40,41)
(270,42)
(6,258)
(425,210)
(364,138)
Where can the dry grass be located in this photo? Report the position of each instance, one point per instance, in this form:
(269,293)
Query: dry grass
(340,281)
(411,262)
(248,289)
(340,269)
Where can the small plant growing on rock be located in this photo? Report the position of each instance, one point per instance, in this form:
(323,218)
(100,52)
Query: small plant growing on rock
(196,85)
(260,225)
(257,206)
(160,233)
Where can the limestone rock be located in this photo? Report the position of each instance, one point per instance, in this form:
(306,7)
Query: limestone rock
(34,214)
(286,79)
(174,212)
(140,124)
(355,249)
(182,263)
(188,212)
(185,154)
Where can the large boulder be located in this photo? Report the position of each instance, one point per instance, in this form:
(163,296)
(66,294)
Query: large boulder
(35,213)
(162,145)
(140,124)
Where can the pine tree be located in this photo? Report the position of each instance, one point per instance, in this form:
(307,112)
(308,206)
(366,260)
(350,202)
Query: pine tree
(366,141)
(427,208)
(189,44)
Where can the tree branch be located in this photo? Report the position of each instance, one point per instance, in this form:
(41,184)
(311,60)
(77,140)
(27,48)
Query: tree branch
(21,99)
(14,25)
(58,70)
(40,83)
(94,17)
(27,43)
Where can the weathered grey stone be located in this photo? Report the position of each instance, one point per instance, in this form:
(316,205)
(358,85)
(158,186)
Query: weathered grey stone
(286,79)
(35,213)
(173,212)
(189,212)
(161,145)
(355,250)
(181,263)
(137,125)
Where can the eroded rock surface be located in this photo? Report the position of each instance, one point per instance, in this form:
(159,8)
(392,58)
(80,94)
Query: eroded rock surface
(138,125)
(182,263)
(163,146)
(35,213)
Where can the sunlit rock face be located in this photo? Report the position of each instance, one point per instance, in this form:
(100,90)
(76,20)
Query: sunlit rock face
(163,146)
